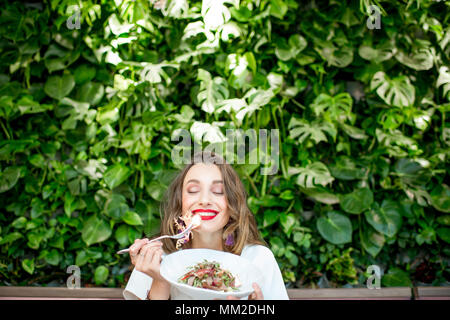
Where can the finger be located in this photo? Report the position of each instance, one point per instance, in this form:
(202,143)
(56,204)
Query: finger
(232,298)
(154,246)
(147,252)
(142,252)
(142,260)
(152,256)
(138,244)
(134,250)
(134,254)
(156,260)
(258,293)
(139,261)
(140,240)
(157,243)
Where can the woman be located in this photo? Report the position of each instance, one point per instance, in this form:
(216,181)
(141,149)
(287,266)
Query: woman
(206,183)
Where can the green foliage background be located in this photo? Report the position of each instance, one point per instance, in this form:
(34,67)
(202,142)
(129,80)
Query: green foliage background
(87,116)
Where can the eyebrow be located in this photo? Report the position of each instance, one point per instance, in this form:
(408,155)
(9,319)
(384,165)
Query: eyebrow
(196,181)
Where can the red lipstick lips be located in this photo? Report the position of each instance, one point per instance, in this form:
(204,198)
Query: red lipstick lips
(206,214)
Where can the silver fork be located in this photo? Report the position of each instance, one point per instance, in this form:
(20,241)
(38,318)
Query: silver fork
(177,236)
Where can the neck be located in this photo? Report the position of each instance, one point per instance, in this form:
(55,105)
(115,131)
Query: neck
(207,241)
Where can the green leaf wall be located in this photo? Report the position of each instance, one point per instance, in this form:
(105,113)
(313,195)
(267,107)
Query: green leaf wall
(88,108)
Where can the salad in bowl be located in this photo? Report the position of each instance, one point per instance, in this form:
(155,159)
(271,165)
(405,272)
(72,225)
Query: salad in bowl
(209,275)
(205,274)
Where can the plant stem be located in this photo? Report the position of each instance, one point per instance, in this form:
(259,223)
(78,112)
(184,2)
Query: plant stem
(43,177)
(283,165)
(255,120)
(4,129)
(252,183)
(282,122)
(264,185)
(290,207)
(372,144)
(443,125)
(298,104)
(360,233)
(283,168)
(233,117)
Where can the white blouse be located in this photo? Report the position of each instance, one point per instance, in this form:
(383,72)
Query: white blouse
(273,287)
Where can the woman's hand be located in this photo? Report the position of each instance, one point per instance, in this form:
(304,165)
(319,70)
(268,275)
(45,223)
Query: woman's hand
(146,257)
(149,260)
(257,295)
(135,248)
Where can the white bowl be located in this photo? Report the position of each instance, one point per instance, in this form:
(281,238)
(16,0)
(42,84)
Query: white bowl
(176,264)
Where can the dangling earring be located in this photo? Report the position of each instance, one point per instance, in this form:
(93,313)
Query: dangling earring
(230,240)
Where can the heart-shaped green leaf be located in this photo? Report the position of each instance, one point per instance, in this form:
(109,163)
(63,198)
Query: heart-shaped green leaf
(396,278)
(84,73)
(19,223)
(116,206)
(335,228)
(386,218)
(440,198)
(9,178)
(91,92)
(28,265)
(101,274)
(53,257)
(95,230)
(116,174)
(347,168)
(372,241)
(320,195)
(444,234)
(278,8)
(11,237)
(81,258)
(411,172)
(270,217)
(59,87)
(287,222)
(132,218)
(121,235)
(357,201)
(444,220)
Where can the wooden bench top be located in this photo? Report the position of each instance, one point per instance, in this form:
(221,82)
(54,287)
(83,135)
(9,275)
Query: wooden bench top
(401,293)
(427,293)
(351,293)
(61,292)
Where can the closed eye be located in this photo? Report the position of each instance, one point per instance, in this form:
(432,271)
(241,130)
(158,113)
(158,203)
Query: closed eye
(197,191)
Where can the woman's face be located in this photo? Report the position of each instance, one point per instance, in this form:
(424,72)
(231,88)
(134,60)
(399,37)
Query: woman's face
(203,189)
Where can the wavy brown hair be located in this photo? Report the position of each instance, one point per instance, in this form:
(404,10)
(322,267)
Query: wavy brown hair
(242,223)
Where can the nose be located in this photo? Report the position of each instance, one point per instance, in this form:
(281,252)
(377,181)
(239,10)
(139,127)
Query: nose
(204,199)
